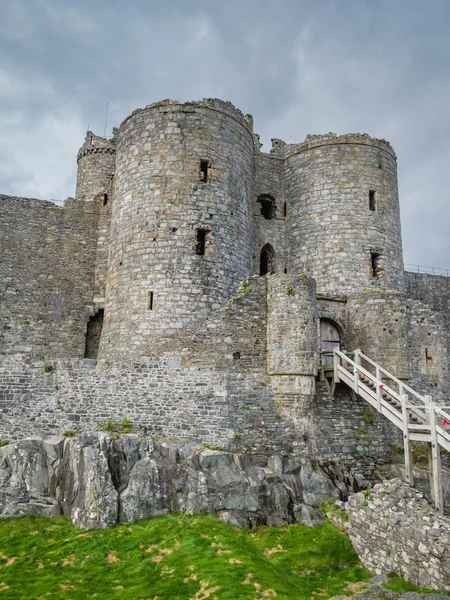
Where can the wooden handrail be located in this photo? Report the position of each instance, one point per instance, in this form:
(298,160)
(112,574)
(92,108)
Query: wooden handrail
(428,429)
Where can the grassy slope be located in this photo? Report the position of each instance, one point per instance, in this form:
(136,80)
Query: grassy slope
(173,557)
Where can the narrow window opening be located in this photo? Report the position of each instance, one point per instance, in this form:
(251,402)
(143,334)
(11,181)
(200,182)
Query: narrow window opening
(267,207)
(285,270)
(266,261)
(150,301)
(375,262)
(93,334)
(205,171)
(236,355)
(285,209)
(200,244)
(372,200)
(105,199)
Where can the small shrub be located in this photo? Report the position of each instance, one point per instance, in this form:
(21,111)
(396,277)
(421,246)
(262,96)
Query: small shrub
(4,443)
(245,288)
(419,454)
(328,506)
(368,416)
(68,433)
(290,448)
(237,436)
(211,447)
(107,425)
(290,291)
(125,426)
(365,503)
(47,368)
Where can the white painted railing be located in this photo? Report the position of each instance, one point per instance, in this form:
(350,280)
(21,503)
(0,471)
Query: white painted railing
(420,419)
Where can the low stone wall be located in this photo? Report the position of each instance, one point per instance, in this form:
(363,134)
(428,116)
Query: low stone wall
(393,528)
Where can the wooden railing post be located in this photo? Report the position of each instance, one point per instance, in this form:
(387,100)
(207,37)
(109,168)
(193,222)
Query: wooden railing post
(336,360)
(357,361)
(434,458)
(379,390)
(409,469)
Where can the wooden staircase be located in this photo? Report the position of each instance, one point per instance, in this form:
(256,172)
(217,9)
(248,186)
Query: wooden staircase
(417,416)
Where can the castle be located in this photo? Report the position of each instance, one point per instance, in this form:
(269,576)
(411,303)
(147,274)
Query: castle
(195,283)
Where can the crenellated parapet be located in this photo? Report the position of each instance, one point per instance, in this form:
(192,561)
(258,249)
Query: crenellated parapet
(220,106)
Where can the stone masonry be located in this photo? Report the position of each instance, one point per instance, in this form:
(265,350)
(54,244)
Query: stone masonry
(186,286)
(393,528)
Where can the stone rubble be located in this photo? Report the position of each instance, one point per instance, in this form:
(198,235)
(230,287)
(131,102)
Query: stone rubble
(394,528)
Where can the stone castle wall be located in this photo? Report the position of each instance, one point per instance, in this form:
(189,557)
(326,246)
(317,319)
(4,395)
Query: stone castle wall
(160,290)
(47,276)
(96,165)
(222,393)
(331,229)
(195,345)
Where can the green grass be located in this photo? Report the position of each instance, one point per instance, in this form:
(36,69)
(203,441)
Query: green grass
(397,584)
(173,557)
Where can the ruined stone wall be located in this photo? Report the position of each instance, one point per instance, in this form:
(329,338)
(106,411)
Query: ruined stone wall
(47,276)
(160,291)
(332,230)
(395,529)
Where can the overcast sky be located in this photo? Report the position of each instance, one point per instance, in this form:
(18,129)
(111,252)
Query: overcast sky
(299,66)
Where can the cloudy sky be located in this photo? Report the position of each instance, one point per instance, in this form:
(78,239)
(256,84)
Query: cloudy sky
(299,66)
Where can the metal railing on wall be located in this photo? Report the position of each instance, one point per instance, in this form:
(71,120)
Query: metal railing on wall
(427,270)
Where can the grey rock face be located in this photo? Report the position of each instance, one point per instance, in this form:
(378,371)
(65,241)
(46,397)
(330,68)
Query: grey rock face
(97,480)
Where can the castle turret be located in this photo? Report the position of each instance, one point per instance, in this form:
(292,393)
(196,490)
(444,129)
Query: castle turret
(344,220)
(181,224)
(96,165)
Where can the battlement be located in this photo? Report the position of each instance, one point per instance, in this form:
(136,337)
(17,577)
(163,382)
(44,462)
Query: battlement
(330,139)
(221,106)
(95,144)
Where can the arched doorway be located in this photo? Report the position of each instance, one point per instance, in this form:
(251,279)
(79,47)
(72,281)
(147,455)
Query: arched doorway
(266,260)
(329,339)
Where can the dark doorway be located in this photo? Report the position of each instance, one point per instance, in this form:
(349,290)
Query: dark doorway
(266,261)
(93,334)
(329,339)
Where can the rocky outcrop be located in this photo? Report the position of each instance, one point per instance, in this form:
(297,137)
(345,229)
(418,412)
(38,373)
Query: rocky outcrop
(394,528)
(96,480)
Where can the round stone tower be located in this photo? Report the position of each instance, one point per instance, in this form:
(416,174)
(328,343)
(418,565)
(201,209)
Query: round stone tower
(181,225)
(96,164)
(344,220)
